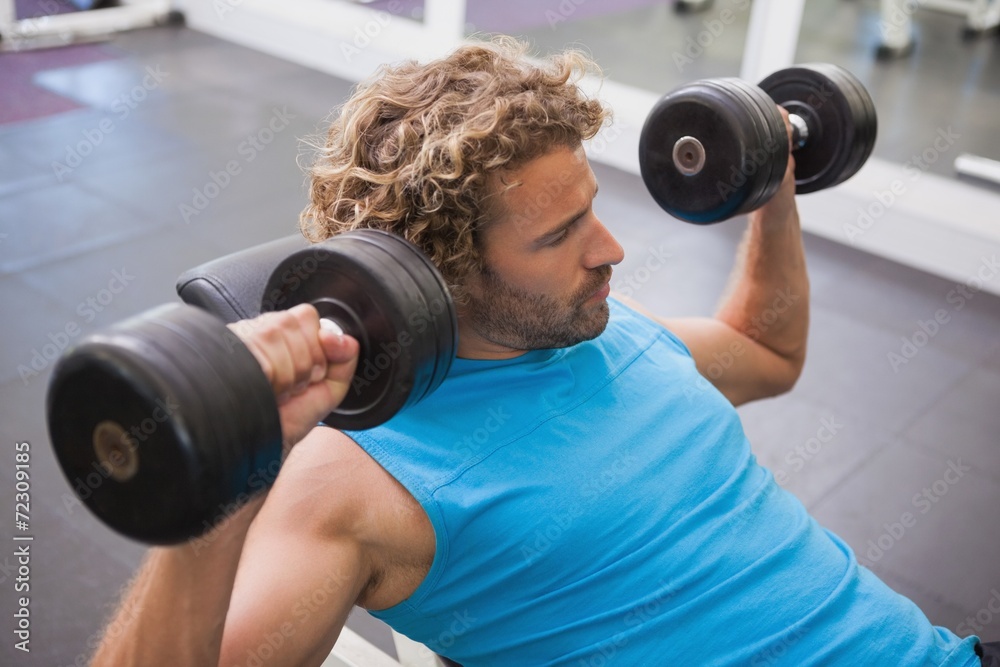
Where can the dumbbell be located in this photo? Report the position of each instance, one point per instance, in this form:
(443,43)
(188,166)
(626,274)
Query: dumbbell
(165,423)
(717,148)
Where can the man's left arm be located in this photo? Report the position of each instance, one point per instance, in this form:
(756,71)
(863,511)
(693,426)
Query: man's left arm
(755,345)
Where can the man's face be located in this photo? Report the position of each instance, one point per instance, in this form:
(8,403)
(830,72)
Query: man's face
(548,262)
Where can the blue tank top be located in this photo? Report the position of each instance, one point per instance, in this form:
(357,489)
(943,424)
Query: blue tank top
(600,505)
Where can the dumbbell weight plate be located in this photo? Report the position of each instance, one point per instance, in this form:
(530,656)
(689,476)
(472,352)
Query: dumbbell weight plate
(774,159)
(161,422)
(385,293)
(841,118)
(743,150)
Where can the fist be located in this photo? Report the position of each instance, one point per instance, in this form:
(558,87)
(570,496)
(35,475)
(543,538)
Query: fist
(309,367)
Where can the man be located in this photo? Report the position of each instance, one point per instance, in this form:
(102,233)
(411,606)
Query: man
(579,491)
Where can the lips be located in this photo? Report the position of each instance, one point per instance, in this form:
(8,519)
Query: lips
(601,288)
(602,293)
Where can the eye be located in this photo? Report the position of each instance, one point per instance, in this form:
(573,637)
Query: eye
(558,239)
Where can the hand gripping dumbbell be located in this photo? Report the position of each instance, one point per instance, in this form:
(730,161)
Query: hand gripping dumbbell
(717,148)
(165,422)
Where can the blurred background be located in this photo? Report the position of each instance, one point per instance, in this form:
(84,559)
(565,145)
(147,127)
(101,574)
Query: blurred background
(118,124)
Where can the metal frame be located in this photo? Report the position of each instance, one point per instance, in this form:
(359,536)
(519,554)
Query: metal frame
(772,37)
(82,26)
(413,654)
(978,167)
(352,650)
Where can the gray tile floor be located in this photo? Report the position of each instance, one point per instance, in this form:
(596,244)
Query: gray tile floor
(858,440)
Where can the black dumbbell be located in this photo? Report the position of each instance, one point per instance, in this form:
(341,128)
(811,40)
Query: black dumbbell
(717,148)
(164,423)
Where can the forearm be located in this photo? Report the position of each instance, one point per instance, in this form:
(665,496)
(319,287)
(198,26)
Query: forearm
(768,295)
(177,604)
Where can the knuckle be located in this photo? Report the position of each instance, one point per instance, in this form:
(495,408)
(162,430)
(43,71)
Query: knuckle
(306,317)
(270,328)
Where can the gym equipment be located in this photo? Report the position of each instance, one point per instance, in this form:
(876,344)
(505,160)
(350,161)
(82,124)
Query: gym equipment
(390,298)
(164,423)
(717,148)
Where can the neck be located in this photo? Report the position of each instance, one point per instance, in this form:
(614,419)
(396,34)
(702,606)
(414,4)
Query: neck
(473,346)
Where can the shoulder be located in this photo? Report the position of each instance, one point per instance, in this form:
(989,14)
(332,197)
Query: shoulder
(739,366)
(636,321)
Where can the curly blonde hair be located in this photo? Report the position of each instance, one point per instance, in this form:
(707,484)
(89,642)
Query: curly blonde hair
(415,149)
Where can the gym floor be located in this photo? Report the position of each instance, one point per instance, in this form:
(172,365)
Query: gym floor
(111,163)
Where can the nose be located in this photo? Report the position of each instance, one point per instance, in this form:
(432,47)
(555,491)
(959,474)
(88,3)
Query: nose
(603,248)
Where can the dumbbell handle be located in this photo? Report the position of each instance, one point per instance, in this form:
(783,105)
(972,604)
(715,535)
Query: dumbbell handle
(800,131)
(331,325)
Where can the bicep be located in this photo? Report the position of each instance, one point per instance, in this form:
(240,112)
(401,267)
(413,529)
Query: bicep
(299,574)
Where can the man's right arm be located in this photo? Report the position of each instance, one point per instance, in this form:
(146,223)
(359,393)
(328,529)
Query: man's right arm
(177,608)
(305,561)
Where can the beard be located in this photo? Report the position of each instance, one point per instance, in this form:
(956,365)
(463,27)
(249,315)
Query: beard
(521,320)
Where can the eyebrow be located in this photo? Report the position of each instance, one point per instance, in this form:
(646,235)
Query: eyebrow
(568,222)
